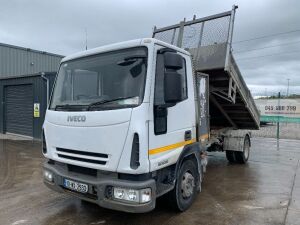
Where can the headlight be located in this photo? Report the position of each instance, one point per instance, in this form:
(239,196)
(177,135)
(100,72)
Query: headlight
(48,176)
(131,195)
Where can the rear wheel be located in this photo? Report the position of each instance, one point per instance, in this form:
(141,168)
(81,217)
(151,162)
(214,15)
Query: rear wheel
(230,156)
(185,190)
(242,157)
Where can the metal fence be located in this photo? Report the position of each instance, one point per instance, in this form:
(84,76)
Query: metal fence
(211,36)
(196,33)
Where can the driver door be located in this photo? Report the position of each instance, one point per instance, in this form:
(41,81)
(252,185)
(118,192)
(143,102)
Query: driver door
(170,128)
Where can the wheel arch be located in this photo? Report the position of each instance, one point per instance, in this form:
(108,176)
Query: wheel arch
(190,152)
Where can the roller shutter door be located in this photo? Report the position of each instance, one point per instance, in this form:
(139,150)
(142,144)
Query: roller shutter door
(19,109)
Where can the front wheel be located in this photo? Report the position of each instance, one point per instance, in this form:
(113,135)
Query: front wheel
(242,157)
(185,190)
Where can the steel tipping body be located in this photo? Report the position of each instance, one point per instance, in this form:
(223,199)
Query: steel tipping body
(209,40)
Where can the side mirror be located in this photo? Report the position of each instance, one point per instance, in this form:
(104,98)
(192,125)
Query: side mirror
(172,81)
(172,87)
(173,61)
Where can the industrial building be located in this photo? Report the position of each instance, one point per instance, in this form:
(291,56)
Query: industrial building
(26,80)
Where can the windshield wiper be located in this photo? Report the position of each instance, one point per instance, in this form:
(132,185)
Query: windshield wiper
(130,60)
(67,107)
(106,101)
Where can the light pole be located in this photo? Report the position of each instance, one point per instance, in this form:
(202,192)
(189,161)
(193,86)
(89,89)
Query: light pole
(277,132)
(86,39)
(288,87)
(266,92)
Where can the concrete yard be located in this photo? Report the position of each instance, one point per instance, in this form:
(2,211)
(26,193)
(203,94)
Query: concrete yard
(265,191)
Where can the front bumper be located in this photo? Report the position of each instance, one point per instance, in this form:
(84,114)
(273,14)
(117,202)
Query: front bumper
(99,188)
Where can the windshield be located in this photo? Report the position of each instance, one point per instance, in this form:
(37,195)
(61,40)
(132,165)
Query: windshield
(101,82)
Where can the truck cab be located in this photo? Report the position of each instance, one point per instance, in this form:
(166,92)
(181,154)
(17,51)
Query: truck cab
(120,129)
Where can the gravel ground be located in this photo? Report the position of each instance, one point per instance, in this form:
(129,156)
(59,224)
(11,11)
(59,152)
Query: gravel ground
(287,131)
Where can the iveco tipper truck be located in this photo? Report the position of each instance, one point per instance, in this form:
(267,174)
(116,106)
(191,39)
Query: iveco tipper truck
(132,121)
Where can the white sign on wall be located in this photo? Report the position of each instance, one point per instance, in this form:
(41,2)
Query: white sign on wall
(283,110)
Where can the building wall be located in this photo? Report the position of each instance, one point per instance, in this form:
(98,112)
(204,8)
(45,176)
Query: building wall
(39,96)
(19,66)
(15,61)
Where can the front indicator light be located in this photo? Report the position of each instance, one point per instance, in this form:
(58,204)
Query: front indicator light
(145,195)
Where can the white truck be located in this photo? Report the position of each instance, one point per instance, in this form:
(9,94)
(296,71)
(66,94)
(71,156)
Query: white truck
(132,121)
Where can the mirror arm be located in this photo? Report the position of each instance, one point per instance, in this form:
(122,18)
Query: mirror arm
(166,105)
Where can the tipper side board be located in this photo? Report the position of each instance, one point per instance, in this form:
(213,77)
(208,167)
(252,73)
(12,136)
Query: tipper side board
(209,41)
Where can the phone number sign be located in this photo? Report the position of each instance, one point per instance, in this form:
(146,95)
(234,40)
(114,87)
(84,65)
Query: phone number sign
(283,110)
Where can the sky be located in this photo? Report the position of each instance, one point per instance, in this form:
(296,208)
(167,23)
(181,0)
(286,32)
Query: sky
(59,26)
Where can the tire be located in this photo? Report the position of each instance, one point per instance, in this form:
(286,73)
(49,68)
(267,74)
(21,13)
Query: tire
(84,202)
(230,156)
(242,157)
(185,190)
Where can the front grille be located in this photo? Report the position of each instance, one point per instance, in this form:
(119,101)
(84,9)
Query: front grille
(94,154)
(89,157)
(82,159)
(82,170)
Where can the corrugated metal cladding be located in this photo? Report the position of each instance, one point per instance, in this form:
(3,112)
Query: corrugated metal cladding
(17,98)
(15,61)
(19,109)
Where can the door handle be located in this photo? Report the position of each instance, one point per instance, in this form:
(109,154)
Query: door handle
(187,135)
